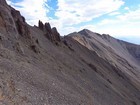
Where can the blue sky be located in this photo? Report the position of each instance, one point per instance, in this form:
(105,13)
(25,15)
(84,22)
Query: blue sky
(119,18)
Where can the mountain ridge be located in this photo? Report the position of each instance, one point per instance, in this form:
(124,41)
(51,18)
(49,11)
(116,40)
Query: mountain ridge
(39,67)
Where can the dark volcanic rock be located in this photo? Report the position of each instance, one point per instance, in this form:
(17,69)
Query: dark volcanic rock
(56,34)
(48,31)
(41,25)
(48,28)
(51,33)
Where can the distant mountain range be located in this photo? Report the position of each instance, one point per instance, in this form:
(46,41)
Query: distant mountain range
(131,39)
(40,67)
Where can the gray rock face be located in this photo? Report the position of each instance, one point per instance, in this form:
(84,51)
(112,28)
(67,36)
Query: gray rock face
(6,20)
(12,26)
(20,23)
(87,69)
(133,49)
(3,2)
(8,28)
(12,21)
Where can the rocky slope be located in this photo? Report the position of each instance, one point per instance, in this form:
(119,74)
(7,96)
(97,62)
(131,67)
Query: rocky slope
(38,67)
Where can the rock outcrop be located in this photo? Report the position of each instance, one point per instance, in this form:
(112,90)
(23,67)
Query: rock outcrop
(51,33)
(21,25)
(56,34)
(7,24)
(3,2)
(48,27)
(13,27)
(12,22)
(41,25)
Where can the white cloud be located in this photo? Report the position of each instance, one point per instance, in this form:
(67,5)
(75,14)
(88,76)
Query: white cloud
(72,12)
(131,16)
(69,12)
(90,27)
(8,1)
(126,8)
(108,22)
(32,10)
(114,13)
(124,25)
(76,11)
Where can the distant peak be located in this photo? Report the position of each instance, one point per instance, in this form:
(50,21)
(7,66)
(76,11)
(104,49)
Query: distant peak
(88,33)
(84,31)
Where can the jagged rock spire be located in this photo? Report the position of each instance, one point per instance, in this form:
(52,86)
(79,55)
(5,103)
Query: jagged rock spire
(51,33)
(48,27)
(56,34)
(41,25)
